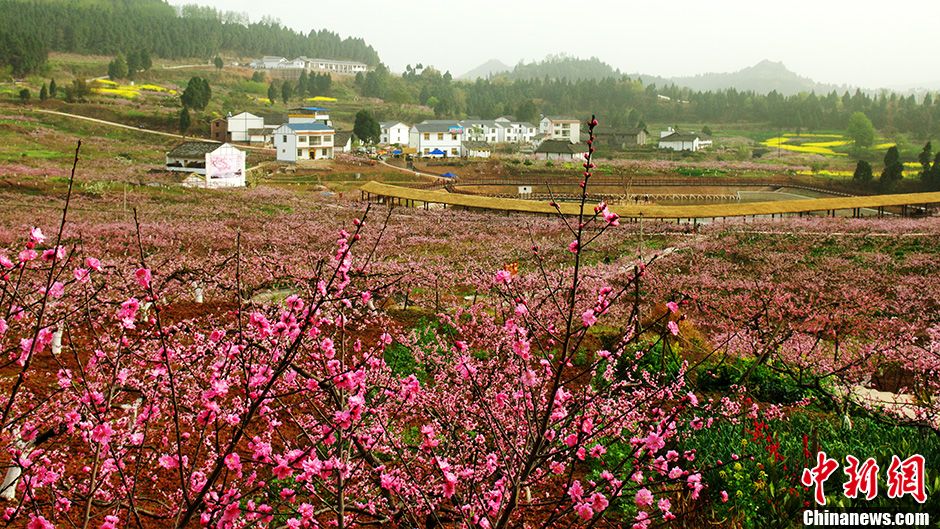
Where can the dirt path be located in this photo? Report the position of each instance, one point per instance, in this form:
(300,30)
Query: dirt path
(139,129)
(412,172)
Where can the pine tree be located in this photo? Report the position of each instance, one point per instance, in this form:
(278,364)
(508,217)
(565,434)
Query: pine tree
(25,95)
(218,62)
(894,168)
(924,158)
(53,89)
(185,121)
(43,93)
(863,172)
(117,69)
(933,180)
(286,91)
(272,92)
(133,64)
(197,94)
(303,85)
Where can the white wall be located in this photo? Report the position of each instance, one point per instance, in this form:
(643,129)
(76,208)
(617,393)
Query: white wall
(225,167)
(397,134)
(238,126)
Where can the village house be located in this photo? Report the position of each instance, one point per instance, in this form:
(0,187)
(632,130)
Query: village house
(512,131)
(218,130)
(296,142)
(437,138)
(211,164)
(671,139)
(481,130)
(623,138)
(239,125)
(394,133)
(342,142)
(334,66)
(476,149)
(560,150)
(309,115)
(561,128)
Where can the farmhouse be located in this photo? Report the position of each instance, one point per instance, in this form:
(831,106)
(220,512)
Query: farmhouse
(437,138)
(561,150)
(481,130)
(342,142)
(309,115)
(623,138)
(561,128)
(218,130)
(680,141)
(476,149)
(213,165)
(393,133)
(239,125)
(296,142)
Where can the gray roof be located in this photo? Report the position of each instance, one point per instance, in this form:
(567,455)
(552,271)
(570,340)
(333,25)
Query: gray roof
(562,118)
(437,126)
(341,138)
(390,124)
(477,145)
(562,147)
(193,149)
(680,136)
(480,122)
(260,132)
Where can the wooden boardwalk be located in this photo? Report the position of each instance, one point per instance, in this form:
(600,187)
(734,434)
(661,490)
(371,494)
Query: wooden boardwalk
(904,204)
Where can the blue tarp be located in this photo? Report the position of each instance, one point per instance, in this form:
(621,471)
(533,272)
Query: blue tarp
(449,175)
(437,152)
(396,151)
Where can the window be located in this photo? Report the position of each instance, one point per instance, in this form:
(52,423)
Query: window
(323,152)
(300,153)
(453,137)
(427,151)
(301,139)
(327,139)
(454,151)
(427,136)
(440,136)
(284,139)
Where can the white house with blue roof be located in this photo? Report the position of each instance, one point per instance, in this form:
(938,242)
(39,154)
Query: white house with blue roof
(296,142)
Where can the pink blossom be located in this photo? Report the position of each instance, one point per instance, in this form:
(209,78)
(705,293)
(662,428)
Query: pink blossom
(724,496)
(503,277)
(5,262)
(664,504)
(673,307)
(36,236)
(102,433)
(589,318)
(644,498)
(585,511)
(38,522)
(673,328)
(573,247)
(93,263)
(143,277)
(654,442)
(233,462)
(82,275)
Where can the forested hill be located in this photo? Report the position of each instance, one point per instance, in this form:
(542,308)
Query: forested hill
(563,67)
(31,28)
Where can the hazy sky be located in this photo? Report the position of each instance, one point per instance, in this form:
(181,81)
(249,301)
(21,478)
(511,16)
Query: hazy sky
(858,42)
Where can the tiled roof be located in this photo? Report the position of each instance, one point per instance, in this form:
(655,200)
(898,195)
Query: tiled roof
(193,149)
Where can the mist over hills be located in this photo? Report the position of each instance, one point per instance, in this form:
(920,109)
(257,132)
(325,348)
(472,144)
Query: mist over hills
(763,77)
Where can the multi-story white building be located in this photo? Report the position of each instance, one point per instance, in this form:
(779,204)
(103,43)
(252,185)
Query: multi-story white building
(309,115)
(437,138)
(516,131)
(297,142)
(477,130)
(561,128)
(394,133)
(240,124)
(311,65)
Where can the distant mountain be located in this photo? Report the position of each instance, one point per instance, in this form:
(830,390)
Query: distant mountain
(486,70)
(762,78)
(564,67)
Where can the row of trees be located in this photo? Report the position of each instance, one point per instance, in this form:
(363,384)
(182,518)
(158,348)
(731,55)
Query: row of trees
(893,171)
(29,30)
(128,66)
(628,101)
(306,86)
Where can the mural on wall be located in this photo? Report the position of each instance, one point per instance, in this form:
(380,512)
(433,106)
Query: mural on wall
(225,165)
